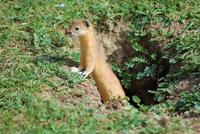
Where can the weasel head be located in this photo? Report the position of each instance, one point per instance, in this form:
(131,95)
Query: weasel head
(79,28)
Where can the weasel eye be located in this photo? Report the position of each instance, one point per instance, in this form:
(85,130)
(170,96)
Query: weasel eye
(76,28)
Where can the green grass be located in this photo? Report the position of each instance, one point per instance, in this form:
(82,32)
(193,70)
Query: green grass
(33,53)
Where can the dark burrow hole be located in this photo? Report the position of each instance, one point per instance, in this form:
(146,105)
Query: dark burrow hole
(141,87)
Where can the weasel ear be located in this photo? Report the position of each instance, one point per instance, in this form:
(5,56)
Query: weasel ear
(86,23)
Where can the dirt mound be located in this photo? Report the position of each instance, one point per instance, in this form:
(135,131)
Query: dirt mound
(84,93)
(114,42)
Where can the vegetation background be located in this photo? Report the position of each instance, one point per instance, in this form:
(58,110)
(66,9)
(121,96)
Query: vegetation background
(38,93)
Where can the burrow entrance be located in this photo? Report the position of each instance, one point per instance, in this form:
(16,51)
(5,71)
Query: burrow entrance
(118,49)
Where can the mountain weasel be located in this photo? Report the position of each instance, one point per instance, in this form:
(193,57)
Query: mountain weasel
(92,61)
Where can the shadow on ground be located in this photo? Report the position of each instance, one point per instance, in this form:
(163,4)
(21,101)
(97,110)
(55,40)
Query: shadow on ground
(67,61)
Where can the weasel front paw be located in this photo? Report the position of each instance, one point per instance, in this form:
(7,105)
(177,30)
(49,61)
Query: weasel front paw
(74,69)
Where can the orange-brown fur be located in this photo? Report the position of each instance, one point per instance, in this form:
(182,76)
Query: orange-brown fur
(94,62)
